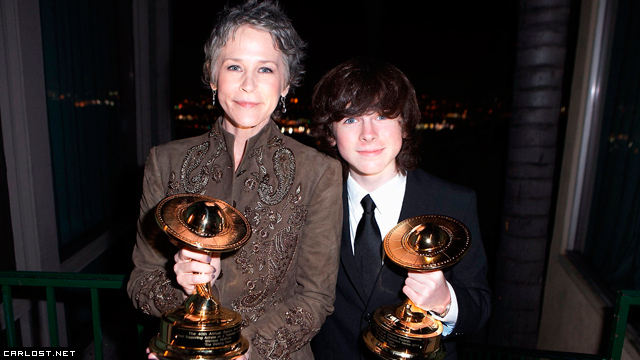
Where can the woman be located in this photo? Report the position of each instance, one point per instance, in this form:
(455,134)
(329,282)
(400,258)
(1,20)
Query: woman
(282,281)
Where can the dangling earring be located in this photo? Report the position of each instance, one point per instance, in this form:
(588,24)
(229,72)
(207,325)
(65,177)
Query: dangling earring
(213,100)
(284,107)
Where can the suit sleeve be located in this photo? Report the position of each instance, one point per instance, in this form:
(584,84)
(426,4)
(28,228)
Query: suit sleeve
(469,278)
(291,325)
(149,287)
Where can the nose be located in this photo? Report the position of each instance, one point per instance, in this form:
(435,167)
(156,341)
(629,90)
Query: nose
(248,82)
(368,130)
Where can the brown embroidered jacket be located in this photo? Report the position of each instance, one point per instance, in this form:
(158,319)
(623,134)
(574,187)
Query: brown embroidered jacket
(282,281)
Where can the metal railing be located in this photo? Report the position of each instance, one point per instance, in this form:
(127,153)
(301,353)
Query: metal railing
(49,281)
(625,299)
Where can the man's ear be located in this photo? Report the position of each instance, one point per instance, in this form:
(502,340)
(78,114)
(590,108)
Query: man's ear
(332,138)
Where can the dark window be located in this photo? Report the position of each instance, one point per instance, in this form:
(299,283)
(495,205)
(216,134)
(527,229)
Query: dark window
(612,243)
(86,47)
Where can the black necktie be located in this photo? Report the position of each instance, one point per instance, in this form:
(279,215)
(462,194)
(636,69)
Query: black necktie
(368,245)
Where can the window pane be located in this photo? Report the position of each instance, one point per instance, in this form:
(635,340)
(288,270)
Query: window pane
(92,141)
(612,243)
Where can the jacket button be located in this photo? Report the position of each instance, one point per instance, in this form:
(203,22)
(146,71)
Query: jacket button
(368,317)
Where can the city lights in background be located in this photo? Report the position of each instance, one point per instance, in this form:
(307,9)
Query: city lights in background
(437,115)
(110,99)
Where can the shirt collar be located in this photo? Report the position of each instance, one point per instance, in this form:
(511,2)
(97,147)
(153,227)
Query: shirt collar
(386,195)
(268,131)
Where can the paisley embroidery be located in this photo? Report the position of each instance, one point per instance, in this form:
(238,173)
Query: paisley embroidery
(284,168)
(297,331)
(155,288)
(174,185)
(274,141)
(295,197)
(216,174)
(277,218)
(197,183)
(192,160)
(250,184)
(243,261)
(298,216)
(270,259)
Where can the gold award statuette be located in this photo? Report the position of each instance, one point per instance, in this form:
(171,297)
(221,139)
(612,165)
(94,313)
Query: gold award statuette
(201,328)
(422,243)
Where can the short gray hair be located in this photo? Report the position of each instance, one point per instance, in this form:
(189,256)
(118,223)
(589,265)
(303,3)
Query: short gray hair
(264,15)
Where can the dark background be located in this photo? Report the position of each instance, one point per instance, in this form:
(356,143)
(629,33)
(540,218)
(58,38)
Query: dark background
(452,48)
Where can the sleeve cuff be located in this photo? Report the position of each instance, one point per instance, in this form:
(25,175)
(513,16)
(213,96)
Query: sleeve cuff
(450,318)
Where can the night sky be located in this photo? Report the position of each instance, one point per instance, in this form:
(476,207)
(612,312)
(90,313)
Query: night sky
(461,50)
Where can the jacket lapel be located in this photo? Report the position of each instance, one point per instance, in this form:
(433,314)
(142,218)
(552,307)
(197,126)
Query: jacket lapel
(411,199)
(392,275)
(419,196)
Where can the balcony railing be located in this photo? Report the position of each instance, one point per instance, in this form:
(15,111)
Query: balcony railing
(95,282)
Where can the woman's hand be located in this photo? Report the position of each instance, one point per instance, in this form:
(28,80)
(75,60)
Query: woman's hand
(244,356)
(428,290)
(194,267)
(150,355)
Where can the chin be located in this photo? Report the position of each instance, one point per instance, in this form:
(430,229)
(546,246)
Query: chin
(248,123)
(368,171)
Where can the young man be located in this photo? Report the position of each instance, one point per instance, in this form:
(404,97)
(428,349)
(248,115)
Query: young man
(365,112)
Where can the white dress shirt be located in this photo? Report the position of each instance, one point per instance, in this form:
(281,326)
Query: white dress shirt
(388,199)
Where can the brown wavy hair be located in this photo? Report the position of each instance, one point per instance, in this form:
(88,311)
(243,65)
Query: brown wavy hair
(360,86)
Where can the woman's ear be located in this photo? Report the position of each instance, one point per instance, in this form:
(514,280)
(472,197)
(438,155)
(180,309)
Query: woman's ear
(285,91)
(213,87)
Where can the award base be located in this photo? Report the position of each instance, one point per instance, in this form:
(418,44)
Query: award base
(199,330)
(404,332)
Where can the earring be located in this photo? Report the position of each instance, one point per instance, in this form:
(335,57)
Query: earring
(284,107)
(213,100)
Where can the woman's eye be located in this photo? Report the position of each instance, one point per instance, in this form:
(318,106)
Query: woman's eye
(265,70)
(233,67)
(349,121)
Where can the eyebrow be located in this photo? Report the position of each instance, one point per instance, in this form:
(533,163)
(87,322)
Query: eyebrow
(260,61)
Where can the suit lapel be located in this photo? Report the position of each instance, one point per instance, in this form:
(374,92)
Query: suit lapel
(412,205)
(346,253)
(418,198)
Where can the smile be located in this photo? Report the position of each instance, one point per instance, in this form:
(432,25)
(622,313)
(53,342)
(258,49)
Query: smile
(372,152)
(246,104)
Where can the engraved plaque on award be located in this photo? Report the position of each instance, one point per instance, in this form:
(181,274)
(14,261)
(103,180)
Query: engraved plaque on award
(201,328)
(421,243)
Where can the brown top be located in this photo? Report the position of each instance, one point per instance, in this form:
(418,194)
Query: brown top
(282,281)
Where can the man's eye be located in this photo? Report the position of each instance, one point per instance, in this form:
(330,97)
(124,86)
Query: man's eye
(381,117)
(349,121)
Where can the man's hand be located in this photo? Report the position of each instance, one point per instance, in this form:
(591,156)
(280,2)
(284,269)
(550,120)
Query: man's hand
(193,268)
(428,290)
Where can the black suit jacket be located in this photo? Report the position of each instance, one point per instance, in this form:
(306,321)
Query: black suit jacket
(340,335)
